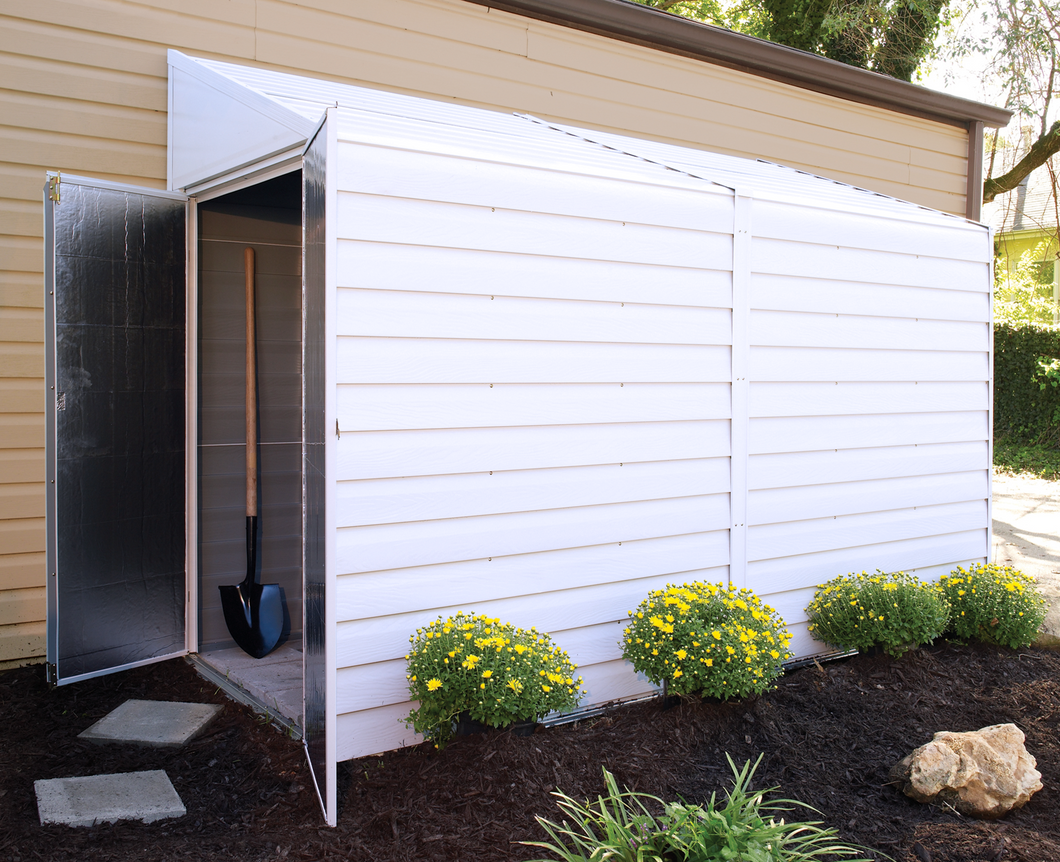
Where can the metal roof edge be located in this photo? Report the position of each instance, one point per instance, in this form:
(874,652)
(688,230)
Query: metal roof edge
(664,31)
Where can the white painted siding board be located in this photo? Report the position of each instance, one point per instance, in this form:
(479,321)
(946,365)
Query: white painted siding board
(395,220)
(402,267)
(858,398)
(439,360)
(396,407)
(930,574)
(398,546)
(791,604)
(400,314)
(780,257)
(778,505)
(388,501)
(809,434)
(789,469)
(771,576)
(849,364)
(379,639)
(795,538)
(365,686)
(808,222)
(369,455)
(373,731)
(425,176)
(382,729)
(803,643)
(589,645)
(613,680)
(784,293)
(468,583)
(792,329)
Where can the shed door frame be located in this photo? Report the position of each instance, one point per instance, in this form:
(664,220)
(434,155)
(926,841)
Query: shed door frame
(197,195)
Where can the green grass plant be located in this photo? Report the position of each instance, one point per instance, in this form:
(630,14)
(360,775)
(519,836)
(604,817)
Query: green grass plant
(894,611)
(746,827)
(994,604)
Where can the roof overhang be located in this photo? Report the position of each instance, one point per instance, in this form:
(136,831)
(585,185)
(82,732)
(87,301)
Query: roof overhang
(664,31)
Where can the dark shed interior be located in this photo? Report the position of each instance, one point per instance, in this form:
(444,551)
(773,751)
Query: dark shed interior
(268,218)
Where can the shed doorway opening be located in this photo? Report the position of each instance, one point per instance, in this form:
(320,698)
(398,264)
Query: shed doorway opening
(268,218)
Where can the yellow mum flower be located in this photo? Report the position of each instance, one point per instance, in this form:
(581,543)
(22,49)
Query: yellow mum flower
(434,684)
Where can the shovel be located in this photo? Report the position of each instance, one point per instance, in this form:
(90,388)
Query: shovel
(253,612)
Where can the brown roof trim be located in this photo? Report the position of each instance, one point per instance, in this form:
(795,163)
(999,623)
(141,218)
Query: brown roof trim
(643,25)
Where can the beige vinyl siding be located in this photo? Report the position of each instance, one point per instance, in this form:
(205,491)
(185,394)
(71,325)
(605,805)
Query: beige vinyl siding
(83,89)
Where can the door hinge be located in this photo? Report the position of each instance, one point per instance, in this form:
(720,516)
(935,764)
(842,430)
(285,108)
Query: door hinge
(53,186)
(50,673)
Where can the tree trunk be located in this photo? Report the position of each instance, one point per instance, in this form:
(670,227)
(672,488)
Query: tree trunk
(1047,145)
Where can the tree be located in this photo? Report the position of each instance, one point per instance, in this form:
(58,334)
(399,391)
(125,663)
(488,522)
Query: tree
(1020,298)
(1024,36)
(888,36)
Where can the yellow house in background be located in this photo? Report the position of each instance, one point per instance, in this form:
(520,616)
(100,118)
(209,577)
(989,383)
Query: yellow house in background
(83,89)
(1025,223)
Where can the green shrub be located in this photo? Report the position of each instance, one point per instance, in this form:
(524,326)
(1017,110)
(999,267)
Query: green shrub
(1026,384)
(621,828)
(492,671)
(707,639)
(995,604)
(894,611)
(1033,458)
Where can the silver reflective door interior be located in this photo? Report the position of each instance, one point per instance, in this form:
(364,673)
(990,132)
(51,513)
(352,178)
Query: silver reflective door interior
(115,371)
(314,200)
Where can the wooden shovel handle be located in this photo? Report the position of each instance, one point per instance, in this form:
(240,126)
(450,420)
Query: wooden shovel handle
(252,390)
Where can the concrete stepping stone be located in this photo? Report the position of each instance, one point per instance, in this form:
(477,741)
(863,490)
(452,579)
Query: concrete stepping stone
(154,723)
(146,796)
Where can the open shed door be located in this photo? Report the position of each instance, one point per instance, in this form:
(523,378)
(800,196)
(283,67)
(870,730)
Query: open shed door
(319,620)
(115,319)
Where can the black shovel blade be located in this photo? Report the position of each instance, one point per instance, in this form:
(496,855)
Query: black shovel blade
(254,615)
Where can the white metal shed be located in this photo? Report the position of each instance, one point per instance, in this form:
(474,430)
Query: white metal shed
(538,371)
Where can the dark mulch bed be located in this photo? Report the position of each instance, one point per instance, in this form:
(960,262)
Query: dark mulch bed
(829,735)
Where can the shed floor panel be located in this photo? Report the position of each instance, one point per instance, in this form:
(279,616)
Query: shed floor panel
(272,685)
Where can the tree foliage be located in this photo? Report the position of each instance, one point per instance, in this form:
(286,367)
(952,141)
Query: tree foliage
(1020,298)
(888,36)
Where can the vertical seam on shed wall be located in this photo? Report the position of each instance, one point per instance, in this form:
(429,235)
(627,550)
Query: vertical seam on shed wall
(738,446)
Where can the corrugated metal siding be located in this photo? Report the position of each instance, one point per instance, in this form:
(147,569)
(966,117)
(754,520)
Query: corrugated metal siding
(84,90)
(526,429)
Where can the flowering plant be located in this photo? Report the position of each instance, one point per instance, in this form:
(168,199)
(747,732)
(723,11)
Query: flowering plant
(996,604)
(892,610)
(492,671)
(707,639)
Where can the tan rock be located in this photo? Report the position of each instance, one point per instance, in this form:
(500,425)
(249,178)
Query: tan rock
(983,773)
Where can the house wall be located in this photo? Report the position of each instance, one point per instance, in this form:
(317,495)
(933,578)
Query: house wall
(83,89)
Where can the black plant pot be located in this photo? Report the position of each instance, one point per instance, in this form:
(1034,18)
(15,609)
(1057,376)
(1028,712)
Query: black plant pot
(465,725)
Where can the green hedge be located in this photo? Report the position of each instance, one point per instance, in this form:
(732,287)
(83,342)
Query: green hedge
(1026,390)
